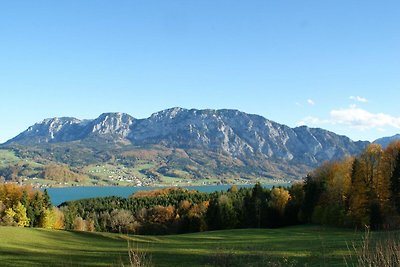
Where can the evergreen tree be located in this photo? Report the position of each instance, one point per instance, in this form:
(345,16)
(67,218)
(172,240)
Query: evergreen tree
(375,215)
(258,204)
(35,210)
(293,207)
(221,214)
(395,184)
(46,200)
(24,198)
(312,192)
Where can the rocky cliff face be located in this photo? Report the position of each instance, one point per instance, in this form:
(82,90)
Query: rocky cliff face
(241,135)
(116,125)
(229,132)
(51,130)
(67,129)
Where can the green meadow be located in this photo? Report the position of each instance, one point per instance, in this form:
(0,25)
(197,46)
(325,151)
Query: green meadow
(292,246)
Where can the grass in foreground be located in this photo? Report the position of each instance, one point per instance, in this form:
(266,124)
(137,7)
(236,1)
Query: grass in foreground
(297,246)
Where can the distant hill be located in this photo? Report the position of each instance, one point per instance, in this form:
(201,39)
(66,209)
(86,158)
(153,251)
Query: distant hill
(385,141)
(190,144)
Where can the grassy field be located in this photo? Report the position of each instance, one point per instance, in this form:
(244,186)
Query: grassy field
(7,157)
(295,246)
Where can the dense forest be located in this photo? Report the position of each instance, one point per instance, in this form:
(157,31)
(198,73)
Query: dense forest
(362,191)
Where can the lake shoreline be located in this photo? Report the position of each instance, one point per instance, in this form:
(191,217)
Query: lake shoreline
(68,185)
(59,195)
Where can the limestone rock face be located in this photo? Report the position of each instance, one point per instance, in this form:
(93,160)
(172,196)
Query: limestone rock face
(229,132)
(112,125)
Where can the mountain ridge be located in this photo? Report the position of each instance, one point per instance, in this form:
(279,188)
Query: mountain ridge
(231,131)
(208,137)
(385,141)
(176,146)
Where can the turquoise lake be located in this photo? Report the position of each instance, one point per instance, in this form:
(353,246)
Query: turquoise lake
(60,195)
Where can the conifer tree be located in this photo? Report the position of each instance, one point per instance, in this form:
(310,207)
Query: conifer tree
(395,184)
(46,199)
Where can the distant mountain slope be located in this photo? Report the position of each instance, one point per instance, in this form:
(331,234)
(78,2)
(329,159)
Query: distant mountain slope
(385,141)
(67,129)
(255,141)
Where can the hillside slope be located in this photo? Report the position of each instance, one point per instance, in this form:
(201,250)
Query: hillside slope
(189,144)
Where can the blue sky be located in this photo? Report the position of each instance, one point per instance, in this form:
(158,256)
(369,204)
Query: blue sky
(328,64)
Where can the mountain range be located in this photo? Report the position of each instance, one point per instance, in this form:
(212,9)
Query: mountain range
(385,141)
(189,143)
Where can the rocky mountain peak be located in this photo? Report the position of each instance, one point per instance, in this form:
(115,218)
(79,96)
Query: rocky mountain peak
(117,124)
(170,114)
(60,120)
(48,130)
(232,133)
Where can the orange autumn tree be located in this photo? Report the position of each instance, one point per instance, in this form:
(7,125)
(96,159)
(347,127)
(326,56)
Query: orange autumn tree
(371,186)
(390,172)
(279,197)
(354,191)
(23,206)
(13,204)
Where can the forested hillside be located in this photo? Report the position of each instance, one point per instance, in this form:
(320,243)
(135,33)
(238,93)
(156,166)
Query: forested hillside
(353,192)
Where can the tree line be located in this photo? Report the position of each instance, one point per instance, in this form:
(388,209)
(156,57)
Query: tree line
(352,192)
(361,191)
(167,211)
(22,206)
(356,192)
